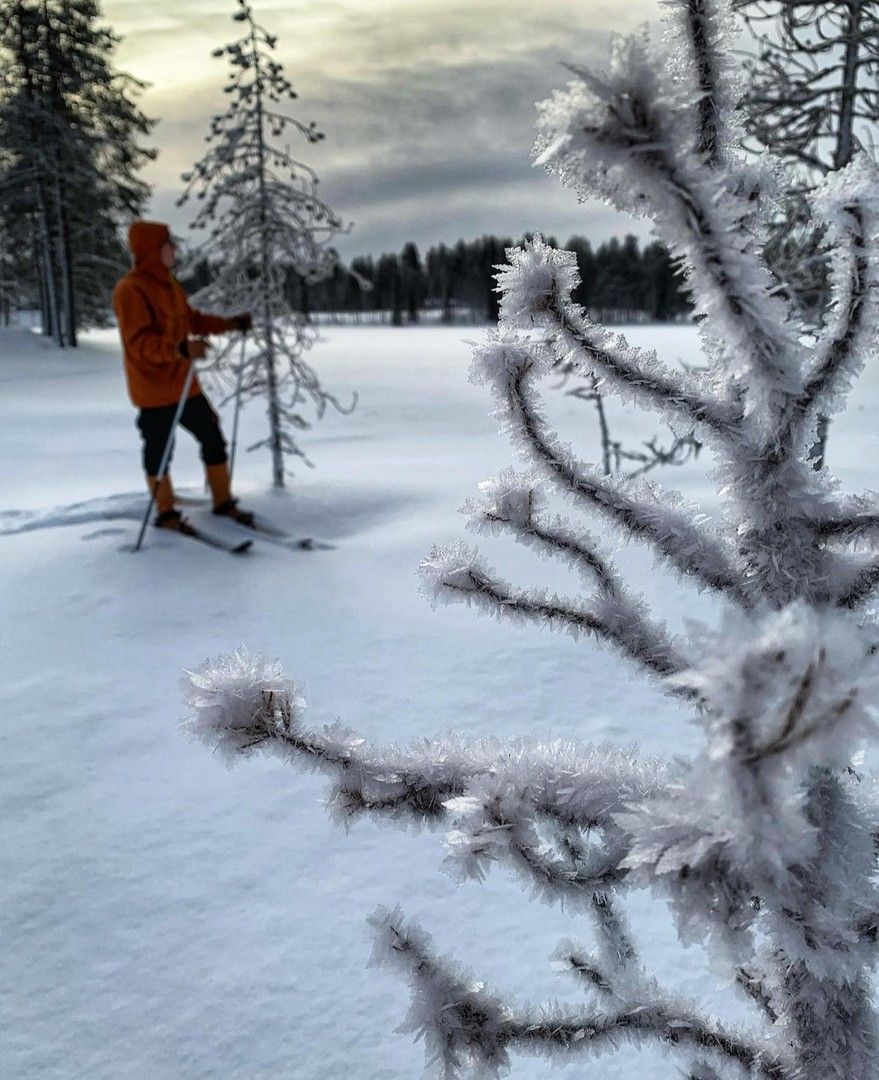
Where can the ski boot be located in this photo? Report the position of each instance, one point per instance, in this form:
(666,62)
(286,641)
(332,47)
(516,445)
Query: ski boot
(230,509)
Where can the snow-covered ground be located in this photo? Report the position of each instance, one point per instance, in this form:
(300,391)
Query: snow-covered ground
(163,918)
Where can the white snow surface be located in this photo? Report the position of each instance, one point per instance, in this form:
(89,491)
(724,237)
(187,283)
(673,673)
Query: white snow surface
(165,918)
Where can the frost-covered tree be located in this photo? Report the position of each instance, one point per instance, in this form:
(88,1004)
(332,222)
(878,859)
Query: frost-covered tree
(813,89)
(763,842)
(812,99)
(263,218)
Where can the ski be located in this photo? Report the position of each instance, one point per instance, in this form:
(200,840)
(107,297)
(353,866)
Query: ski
(263,529)
(276,536)
(211,541)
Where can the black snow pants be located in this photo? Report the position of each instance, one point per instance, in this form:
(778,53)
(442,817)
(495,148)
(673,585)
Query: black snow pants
(198,418)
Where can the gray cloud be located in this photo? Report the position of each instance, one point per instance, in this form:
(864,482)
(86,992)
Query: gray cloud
(429,114)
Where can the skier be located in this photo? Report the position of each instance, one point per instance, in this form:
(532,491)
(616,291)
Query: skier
(161,336)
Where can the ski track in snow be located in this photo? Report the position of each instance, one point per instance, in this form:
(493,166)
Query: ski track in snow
(341,518)
(125,507)
(167,919)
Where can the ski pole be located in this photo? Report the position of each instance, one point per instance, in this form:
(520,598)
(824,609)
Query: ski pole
(166,453)
(237,412)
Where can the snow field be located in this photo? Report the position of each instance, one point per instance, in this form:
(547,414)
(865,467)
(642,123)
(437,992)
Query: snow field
(167,919)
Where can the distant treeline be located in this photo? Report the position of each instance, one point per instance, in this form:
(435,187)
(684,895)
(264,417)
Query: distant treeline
(620,282)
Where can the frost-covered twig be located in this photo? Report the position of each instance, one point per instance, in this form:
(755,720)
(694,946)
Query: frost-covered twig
(243,702)
(613,969)
(861,586)
(466,1027)
(514,504)
(848,200)
(708,58)
(457,573)
(536,285)
(511,367)
(754,987)
(631,135)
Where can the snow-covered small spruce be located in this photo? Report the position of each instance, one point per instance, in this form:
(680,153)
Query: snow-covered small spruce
(264,222)
(763,841)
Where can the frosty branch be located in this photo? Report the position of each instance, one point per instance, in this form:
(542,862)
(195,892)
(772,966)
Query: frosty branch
(478,1030)
(760,842)
(510,366)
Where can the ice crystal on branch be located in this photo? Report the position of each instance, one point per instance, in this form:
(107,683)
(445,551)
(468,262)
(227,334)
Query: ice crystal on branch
(240,701)
(763,841)
(265,224)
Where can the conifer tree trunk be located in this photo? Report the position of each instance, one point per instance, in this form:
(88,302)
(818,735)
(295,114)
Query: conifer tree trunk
(67,314)
(44,292)
(67,320)
(48,287)
(274,404)
(47,261)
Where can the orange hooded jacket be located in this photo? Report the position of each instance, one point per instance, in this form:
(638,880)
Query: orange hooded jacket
(154,317)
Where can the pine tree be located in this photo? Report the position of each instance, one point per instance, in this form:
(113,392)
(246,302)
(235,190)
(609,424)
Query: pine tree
(27,138)
(101,103)
(412,281)
(763,842)
(70,130)
(263,216)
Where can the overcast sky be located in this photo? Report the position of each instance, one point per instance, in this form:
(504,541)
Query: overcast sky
(428,108)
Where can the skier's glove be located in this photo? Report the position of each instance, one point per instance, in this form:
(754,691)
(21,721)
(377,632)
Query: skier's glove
(243,322)
(193,349)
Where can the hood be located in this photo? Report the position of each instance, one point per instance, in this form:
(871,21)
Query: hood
(146,239)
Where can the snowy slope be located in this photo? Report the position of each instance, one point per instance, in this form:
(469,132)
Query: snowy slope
(166,919)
